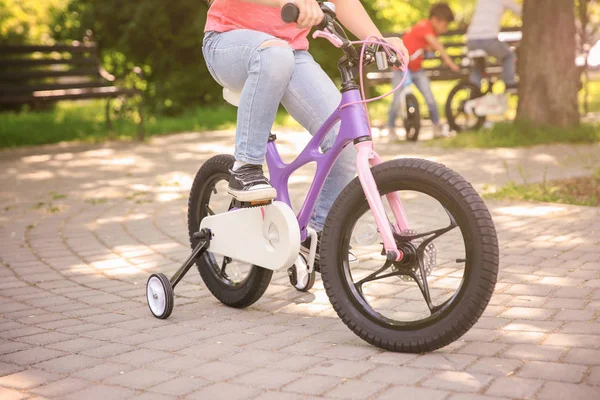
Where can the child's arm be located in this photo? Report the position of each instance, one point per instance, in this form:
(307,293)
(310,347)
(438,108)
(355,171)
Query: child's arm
(436,45)
(353,16)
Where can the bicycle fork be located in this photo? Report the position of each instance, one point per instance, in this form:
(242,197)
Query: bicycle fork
(365,159)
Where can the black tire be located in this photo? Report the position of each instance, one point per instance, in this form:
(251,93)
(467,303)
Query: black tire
(412,122)
(167,292)
(453,111)
(481,266)
(239,294)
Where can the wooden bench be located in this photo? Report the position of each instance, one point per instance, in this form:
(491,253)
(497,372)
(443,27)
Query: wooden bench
(456,45)
(32,75)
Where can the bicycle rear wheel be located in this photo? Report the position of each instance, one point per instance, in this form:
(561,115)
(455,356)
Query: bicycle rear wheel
(458,118)
(412,122)
(443,284)
(233,283)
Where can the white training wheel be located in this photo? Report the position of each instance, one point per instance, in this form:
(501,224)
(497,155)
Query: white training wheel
(159,294)
(299,276)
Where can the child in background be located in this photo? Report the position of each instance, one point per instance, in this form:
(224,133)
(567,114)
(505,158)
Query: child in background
(420,38)
(483,35)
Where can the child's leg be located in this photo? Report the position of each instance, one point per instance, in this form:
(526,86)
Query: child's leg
(422,83)
(311,98)
(260,66)
(476,73)
(397,77)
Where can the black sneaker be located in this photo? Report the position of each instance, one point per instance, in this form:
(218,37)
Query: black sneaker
(248,183)
(305,250)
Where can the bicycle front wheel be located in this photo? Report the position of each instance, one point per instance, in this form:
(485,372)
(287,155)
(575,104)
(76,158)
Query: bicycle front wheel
(457,115)
(450,265)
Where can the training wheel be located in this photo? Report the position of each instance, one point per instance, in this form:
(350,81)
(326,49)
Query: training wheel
(159,294)
(299,276)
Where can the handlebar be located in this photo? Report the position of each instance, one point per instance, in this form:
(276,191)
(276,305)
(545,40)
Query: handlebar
(290,14)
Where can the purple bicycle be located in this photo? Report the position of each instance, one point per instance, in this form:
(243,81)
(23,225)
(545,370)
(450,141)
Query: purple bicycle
(409,286)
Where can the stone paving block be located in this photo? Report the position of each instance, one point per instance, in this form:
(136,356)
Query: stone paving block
(495,366)
(483,349)
(107,350)
(470,396)
(267,378)
(521,337)
(458,381)
(574,315)
(340,368)
(312,384)
(140,357)
(102,370)
(225,391)
(527,313)
(583,357)
(572,340)
(296,363)
(21,332)
(140,379)
(393,358)
(61,388)
(180,386)
(515,388)
(535,352)
(357,390)
(68,364)
(561,390)
(32,355)
(218,370)
(178,363)
(101,392)
(151,396)
(550,371)
(397,375)
(46,338)
(347,352)
(6,368)
(587,328)
(408,392)
(10,394)
(28,379)
(532,326)
(452,362)
(253,358)
(209,350)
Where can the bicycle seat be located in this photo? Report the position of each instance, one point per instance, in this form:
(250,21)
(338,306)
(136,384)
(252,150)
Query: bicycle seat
(478,53)
(232,97)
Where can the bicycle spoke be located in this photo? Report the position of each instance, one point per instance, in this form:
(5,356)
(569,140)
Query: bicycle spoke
(435,234)
(209,210)
(374,277)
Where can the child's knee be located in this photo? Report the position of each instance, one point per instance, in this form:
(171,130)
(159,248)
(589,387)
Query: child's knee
(276,59)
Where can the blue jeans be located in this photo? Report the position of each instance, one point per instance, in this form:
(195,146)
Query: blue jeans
(266,75)
(421,81)
(500,51)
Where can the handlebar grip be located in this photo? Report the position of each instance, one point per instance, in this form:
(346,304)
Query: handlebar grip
(290,13)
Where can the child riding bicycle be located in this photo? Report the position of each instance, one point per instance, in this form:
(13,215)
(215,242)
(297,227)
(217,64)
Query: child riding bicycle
(248,48)
(419,39)
(483,35)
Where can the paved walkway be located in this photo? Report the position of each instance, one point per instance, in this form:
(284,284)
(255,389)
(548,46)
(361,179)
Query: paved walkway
(81,228)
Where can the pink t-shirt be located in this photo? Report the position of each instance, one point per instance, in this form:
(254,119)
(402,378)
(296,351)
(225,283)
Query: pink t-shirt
(228,15)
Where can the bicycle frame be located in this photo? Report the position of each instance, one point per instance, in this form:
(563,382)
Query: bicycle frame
(354,128)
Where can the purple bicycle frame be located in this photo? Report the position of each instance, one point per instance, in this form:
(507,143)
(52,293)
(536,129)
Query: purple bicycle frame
(354,125)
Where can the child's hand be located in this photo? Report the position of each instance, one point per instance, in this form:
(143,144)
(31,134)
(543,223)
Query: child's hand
(399,44)
(310,12)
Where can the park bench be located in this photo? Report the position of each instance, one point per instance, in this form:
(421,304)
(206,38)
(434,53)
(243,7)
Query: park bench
(33,75)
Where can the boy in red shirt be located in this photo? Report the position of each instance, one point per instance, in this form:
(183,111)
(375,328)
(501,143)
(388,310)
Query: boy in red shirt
(422,37)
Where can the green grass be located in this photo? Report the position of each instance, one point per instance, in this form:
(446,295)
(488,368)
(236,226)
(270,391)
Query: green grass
(520,134)
(85,121)
(578,191)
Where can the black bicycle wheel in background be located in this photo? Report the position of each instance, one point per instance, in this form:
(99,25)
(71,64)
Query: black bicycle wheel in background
(233,283)
(458,119)
(412,122)
(446,279)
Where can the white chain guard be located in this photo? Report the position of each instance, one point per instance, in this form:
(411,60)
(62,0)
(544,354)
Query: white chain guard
(267,236)
(490,104)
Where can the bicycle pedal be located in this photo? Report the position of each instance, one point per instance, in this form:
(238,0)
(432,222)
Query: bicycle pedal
(250,204)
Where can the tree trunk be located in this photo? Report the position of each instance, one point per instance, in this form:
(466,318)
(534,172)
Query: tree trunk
(549,78)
